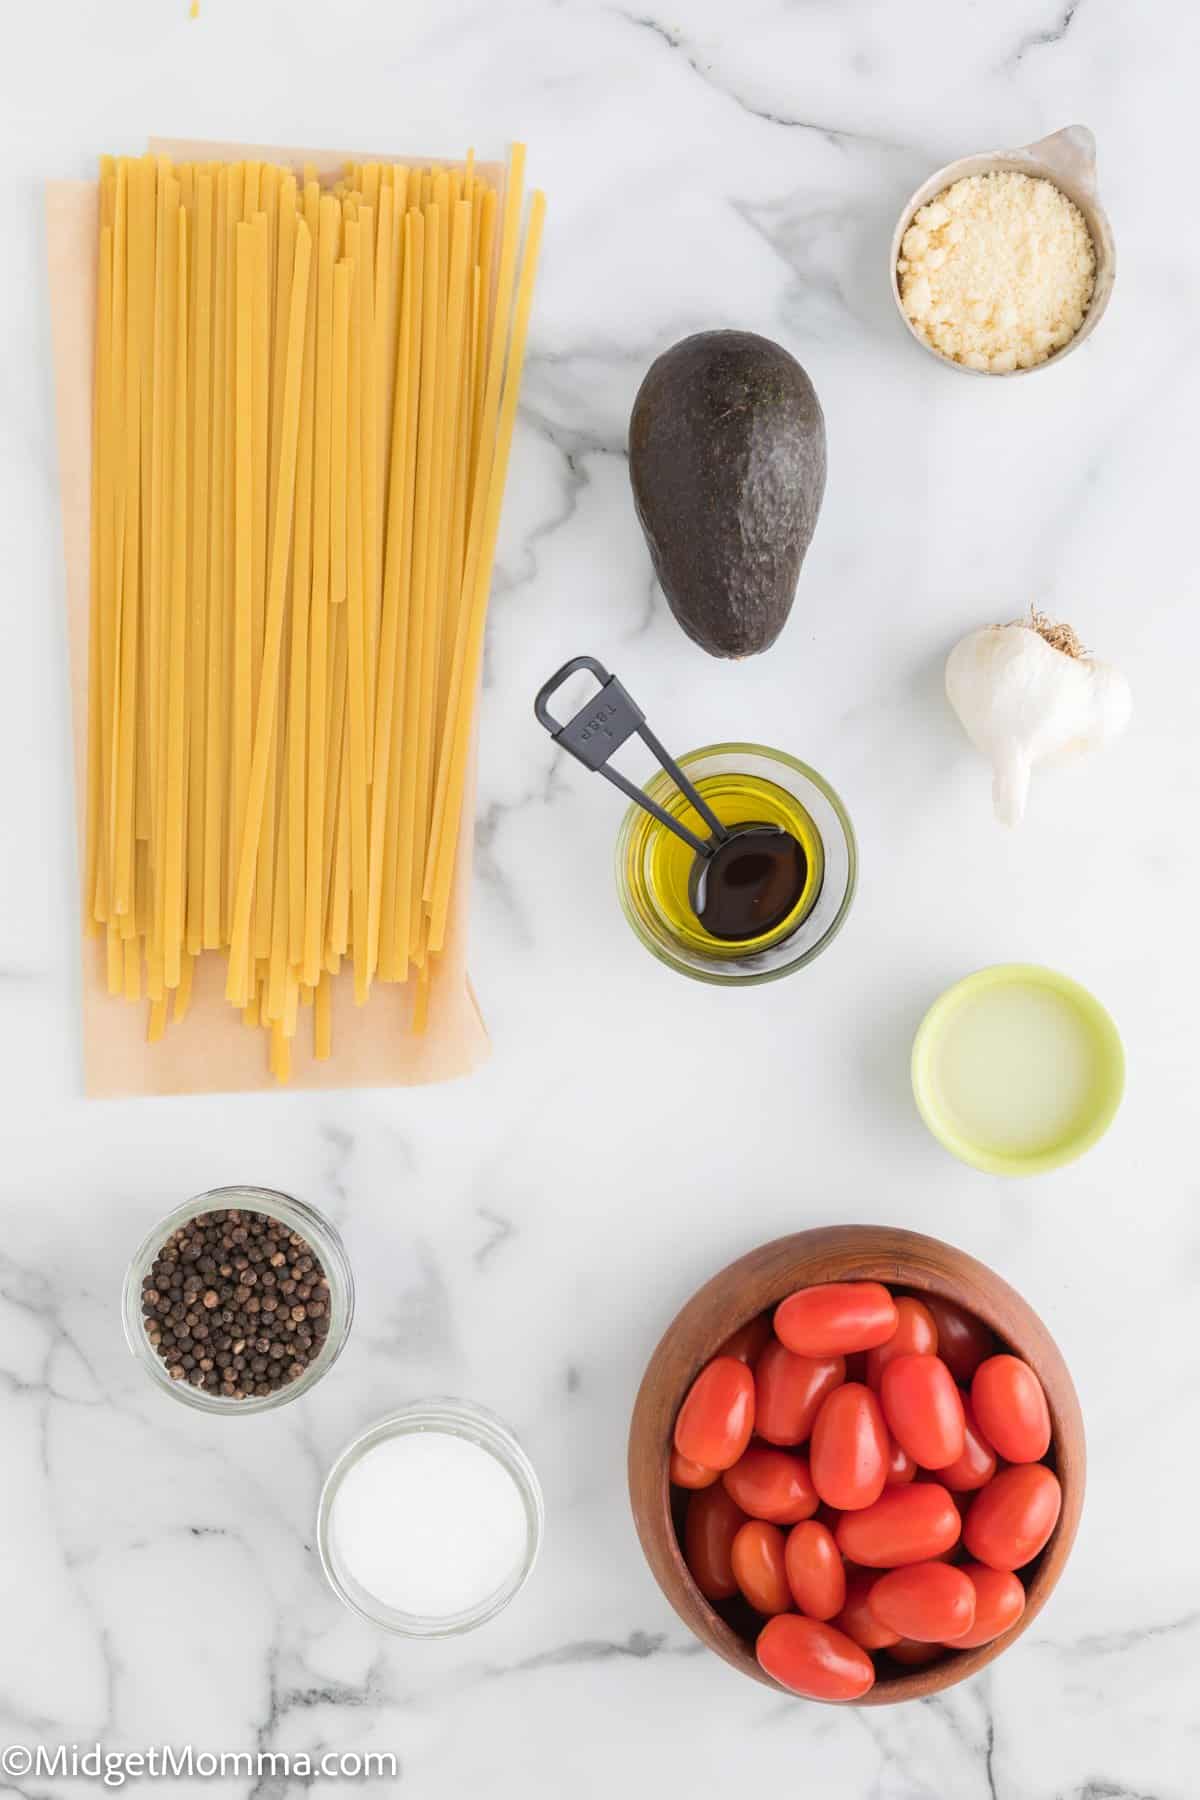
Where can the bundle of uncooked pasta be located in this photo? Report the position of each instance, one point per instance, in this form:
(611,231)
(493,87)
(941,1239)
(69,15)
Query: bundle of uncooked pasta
(304,405)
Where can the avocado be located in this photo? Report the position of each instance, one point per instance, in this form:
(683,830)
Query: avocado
(727,461)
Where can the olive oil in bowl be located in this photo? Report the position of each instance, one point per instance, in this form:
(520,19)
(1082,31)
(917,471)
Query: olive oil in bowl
(774,906)
(779,874)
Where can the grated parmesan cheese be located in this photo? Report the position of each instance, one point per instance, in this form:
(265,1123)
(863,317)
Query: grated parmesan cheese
(997,272)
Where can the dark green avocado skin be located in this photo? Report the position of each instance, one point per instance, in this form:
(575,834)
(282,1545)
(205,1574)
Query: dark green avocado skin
(727,461)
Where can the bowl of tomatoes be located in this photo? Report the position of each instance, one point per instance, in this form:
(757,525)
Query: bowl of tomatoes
(857,1464)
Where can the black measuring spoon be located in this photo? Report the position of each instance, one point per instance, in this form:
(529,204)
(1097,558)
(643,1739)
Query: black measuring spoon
(745,879)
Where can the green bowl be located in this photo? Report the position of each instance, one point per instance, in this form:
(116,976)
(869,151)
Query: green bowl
(1017,1070)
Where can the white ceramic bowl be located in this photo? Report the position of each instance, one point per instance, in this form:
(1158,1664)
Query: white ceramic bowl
(1068,159)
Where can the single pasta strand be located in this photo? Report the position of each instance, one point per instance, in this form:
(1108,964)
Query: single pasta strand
(323,1018)
(95,703)
(261,462)
(364,287)
(280,548)
(412,820)
(183,993)
(161,669)
(277,968)
(356,624)
(243,691)
(314,884)
(302,593)
(108,559)
(146,204)
(237,178)
(476,612)
(383,314)
(337,819)
(200,530)
(397,569)
(340,440)
(444,625)
(216,699)
(176,710)
(124,414)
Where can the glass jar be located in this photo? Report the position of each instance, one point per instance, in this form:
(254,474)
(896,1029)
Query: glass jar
(298,1217)
(458,1419)
(781,790)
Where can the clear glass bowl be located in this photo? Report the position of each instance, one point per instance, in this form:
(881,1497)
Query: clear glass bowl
(819,926)
(457,1418)
(298,1217)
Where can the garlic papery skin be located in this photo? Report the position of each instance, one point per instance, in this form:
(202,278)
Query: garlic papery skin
(1022,700)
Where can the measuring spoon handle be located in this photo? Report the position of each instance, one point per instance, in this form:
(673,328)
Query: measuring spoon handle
(597,732)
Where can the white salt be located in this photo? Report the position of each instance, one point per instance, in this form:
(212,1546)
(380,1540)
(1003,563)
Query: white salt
(429,1523)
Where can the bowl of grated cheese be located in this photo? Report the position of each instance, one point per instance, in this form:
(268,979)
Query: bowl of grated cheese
(1003,262)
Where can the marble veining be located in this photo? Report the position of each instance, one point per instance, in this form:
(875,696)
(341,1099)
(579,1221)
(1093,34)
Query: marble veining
(522,1239)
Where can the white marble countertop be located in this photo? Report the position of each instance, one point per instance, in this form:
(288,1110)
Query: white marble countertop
(523,1238)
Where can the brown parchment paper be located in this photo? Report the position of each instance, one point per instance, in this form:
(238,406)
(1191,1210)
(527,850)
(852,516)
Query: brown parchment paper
(211,1051)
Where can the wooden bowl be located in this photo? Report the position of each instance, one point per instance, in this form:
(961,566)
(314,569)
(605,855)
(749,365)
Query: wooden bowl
(757,1282)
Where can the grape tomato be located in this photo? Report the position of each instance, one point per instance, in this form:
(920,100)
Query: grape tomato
(713,1521)
(1013,1517)
(716,1419)
(856,1618)
(848,1455)
(772,1484)
(815,1571)
(930,1602)
(1010,1406)
(757,1559)
(977,1464)
(905,1525)
(915,1335)
(999,1603)
(789,1391)
(836,1318)
(814,1659)
(923,1409)
(963,1340)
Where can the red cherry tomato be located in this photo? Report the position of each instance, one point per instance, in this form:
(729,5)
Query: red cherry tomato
(772,1484)
(747,1344)
(1010,1406)
(929,1601)
(716,1419)
(813,1659)
(856,1618)
(757,1555)
(815,1571)
(923,1409)
(848,1455)
(835,1318)
(789,1390)
(901,1468)
(915,1335)
(912,1655)
(999,1603)
(905,1525)
(713,1521)
(963,1340)
(977,1464)
(687,1474)
(1012,1518)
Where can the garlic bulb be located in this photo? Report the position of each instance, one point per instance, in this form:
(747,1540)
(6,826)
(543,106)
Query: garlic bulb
(1027,694)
